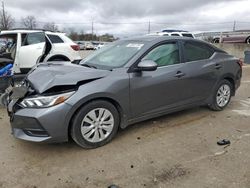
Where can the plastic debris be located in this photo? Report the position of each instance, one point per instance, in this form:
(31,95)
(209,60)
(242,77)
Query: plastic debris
(224,142)
(6,71)
(113,186)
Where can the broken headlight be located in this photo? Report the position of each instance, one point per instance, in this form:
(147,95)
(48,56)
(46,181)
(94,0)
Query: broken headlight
(45,101)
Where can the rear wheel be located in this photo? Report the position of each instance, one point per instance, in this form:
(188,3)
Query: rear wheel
(95,124)
(248,40)
(216,40)
(222,96)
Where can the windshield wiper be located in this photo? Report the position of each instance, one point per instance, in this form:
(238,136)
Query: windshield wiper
(89,66)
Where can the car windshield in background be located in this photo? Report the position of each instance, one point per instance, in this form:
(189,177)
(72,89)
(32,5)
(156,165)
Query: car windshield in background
(114,55)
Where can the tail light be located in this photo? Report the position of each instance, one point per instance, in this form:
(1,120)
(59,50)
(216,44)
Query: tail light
(75,47)
(240,62)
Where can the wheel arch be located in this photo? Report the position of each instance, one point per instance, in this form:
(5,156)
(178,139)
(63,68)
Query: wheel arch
(247,38)
(108,99)
(216,40)
(230,78)
(58,56)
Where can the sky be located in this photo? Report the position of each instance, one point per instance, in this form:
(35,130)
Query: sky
(126,18)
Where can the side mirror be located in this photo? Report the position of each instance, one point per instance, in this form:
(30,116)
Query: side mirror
(147,65)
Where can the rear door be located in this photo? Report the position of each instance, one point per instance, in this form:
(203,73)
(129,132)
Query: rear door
(202,71)
(48,48)
(32,48)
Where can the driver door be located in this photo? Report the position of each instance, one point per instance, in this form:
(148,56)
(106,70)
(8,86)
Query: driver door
(153,92)
(32,48)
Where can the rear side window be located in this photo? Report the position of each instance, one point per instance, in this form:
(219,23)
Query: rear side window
(55,39)
(163,55)
(33,38)
(187,35)
(175,35)
(195,51)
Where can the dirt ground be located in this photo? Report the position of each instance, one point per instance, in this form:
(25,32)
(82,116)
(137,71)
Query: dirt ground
(177,150)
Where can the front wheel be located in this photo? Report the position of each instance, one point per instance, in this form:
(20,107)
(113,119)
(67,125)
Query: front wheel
(95,124)
(221,96)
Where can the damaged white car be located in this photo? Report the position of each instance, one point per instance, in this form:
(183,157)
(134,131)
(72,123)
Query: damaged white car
(25,48)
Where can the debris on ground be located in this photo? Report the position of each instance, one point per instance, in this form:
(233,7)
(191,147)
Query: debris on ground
(113,186)
(224,142)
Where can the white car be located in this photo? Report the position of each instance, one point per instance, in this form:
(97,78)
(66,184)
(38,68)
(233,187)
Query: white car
(174,33)
(30,47)
(89,46)
(99,46)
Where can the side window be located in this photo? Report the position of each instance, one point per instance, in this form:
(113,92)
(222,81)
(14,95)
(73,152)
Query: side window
(187,35)
(166,54)
(195,51)
(34,38)
(55,39)
(175,34)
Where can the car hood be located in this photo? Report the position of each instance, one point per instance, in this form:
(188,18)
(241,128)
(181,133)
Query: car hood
(48,75)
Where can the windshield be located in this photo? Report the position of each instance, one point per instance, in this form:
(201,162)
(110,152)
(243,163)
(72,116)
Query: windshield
(114,55)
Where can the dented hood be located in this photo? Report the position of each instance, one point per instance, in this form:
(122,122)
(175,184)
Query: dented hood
(48,75)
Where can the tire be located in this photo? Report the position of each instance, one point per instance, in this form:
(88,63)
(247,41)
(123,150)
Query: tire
(248,40)
(86,126)
(221,99)
(216,40)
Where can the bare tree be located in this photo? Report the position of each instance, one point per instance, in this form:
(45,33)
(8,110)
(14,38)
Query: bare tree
(6,20)
(72,33)
(51,26)
(29,22)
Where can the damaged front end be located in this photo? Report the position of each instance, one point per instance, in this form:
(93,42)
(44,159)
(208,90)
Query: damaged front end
(48,85)
(38,107)
(26,96)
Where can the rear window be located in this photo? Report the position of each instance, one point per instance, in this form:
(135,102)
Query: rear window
(55,39)
(195,51)
(187,35)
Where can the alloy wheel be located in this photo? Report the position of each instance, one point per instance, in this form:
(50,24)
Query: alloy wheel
(248,40)
(223,95)
(97,125)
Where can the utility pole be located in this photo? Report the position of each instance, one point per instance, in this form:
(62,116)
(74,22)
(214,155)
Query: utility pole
(234,27)
(92,29)
(4,16)
(149,27)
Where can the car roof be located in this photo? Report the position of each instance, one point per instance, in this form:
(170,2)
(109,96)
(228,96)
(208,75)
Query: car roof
(14,31)
(174,30)
(152,38)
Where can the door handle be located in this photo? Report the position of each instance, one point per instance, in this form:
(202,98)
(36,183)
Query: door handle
(180,74)
(218,66)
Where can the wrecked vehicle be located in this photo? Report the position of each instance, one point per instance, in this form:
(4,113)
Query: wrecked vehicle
(126,82)
(25,48)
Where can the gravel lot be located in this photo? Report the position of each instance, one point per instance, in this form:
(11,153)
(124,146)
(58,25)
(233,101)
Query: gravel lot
(177,150)
(84,53)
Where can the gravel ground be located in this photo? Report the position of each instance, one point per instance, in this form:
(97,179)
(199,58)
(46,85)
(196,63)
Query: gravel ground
(177,150)
(84,53)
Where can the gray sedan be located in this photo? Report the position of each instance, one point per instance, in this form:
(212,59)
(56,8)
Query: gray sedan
(126,82)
